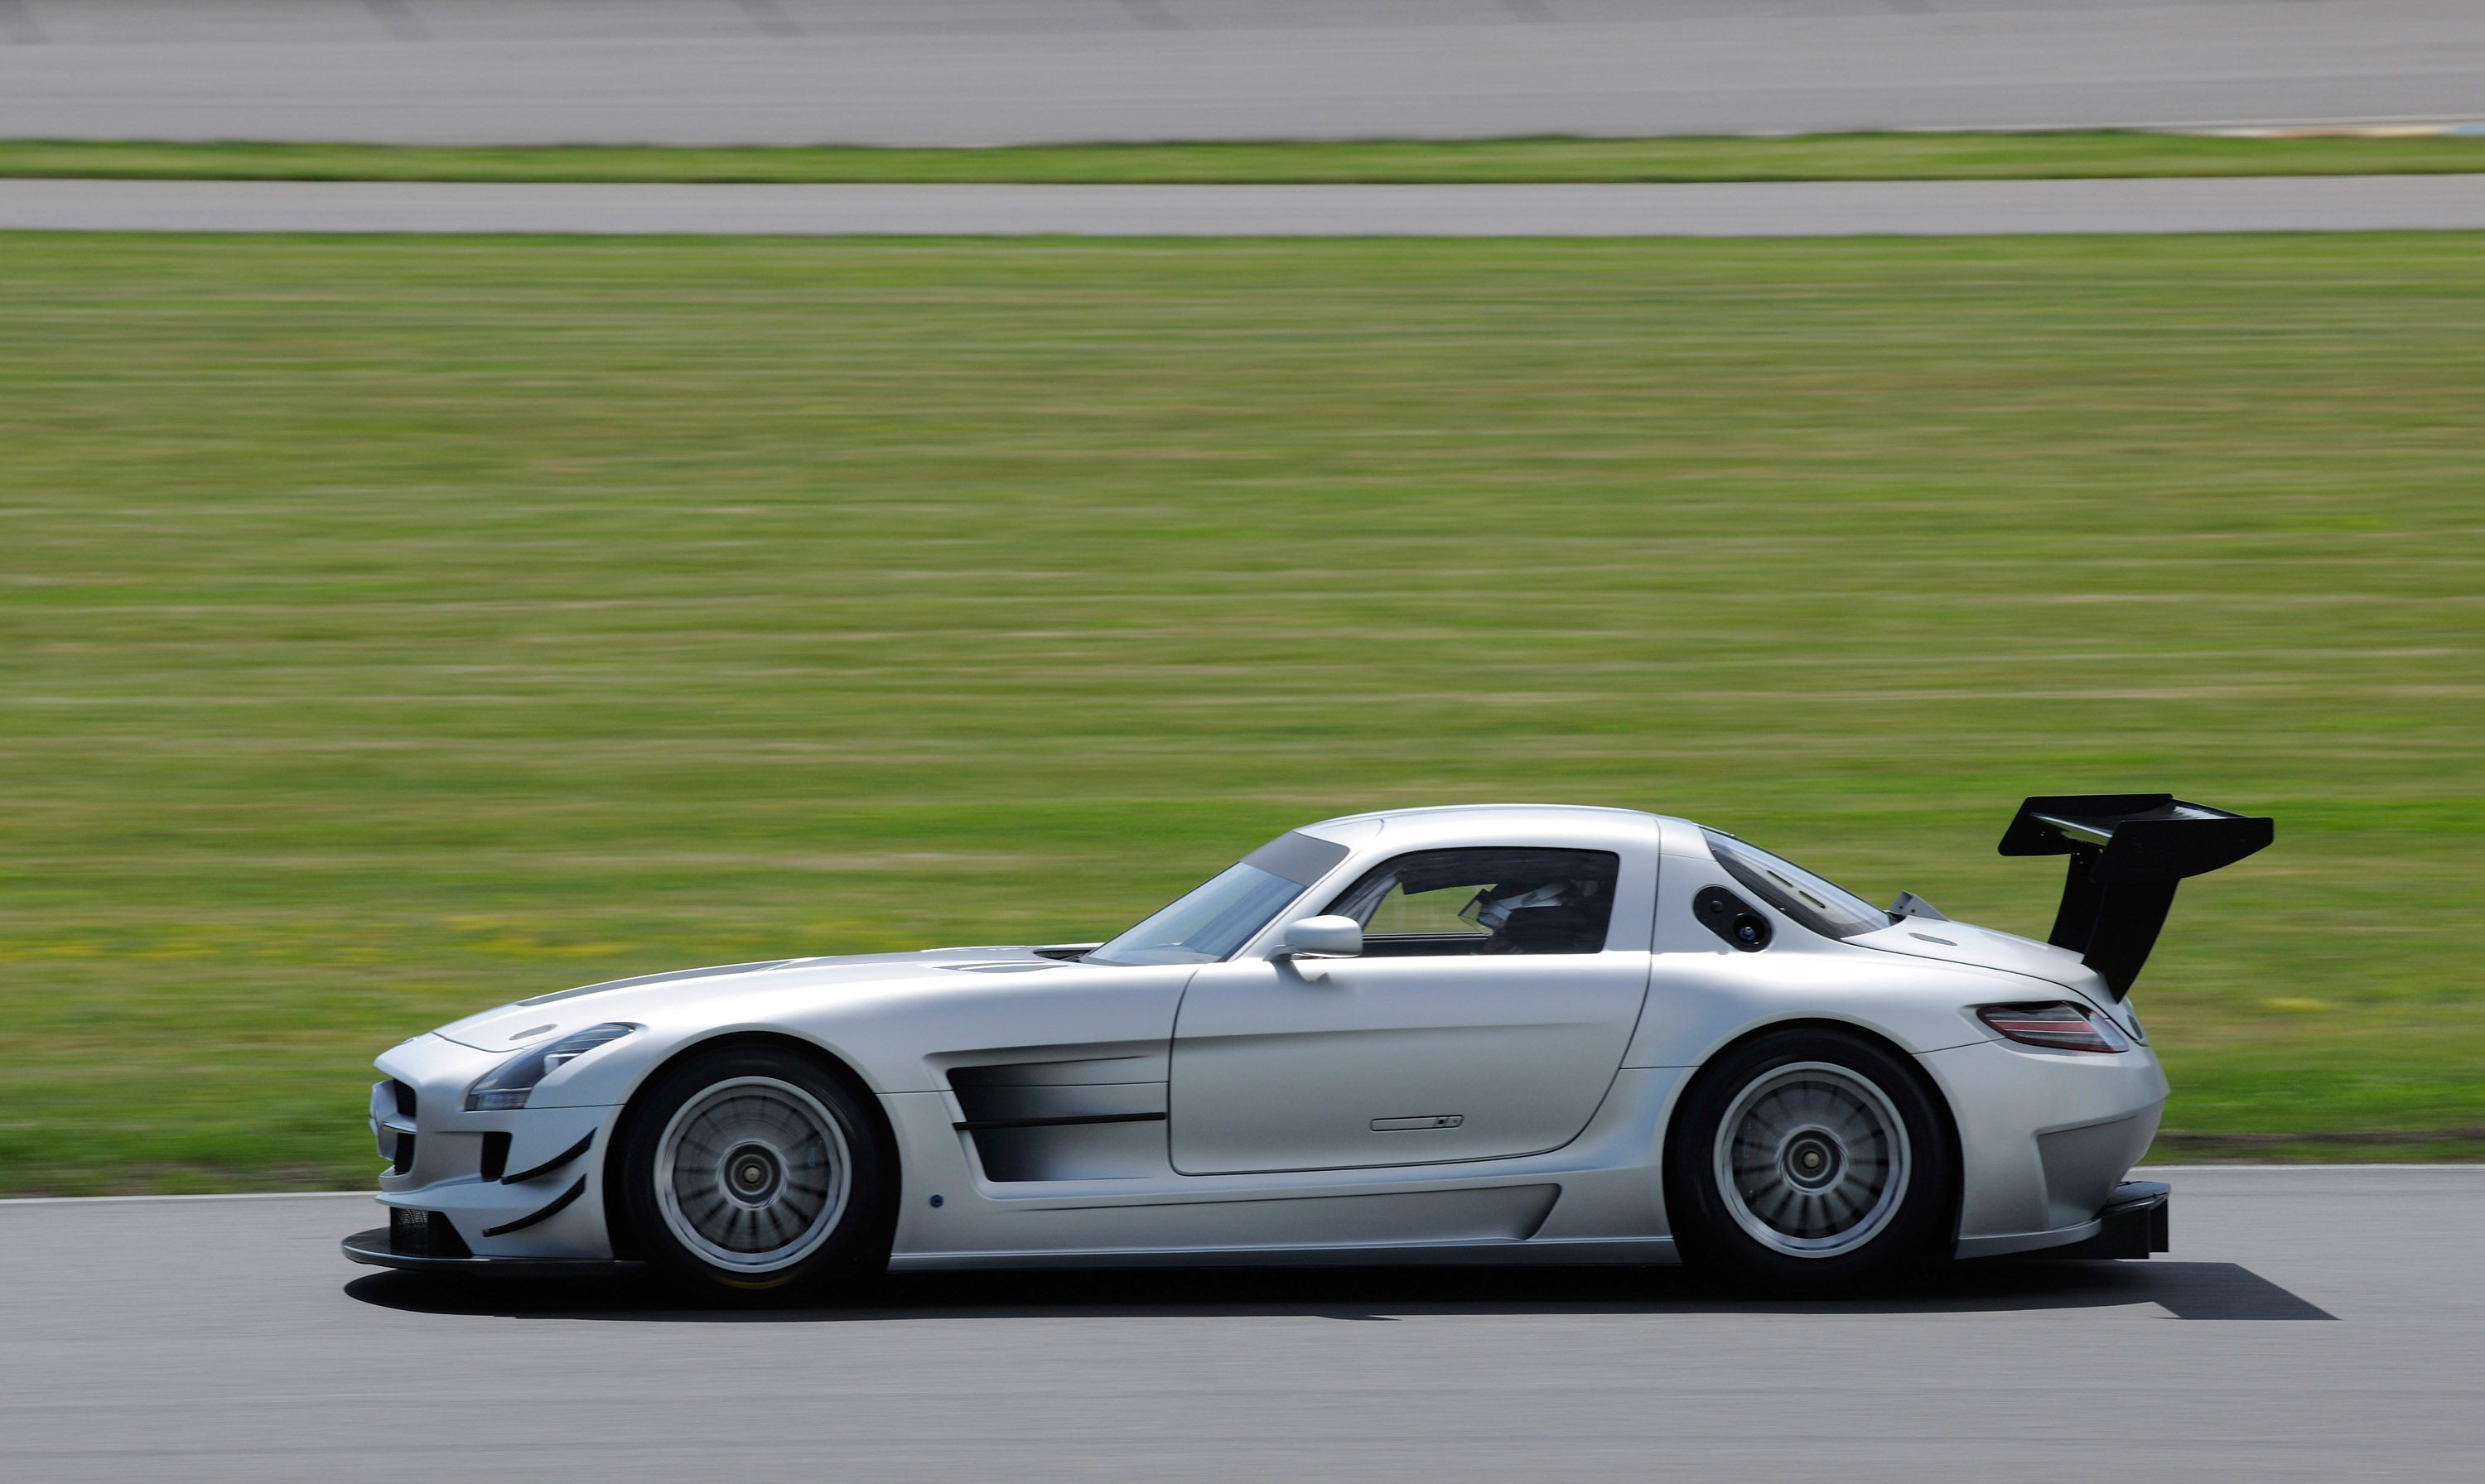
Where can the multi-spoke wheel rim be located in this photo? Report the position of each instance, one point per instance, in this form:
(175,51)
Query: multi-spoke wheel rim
(751,1175)
(1812,1160)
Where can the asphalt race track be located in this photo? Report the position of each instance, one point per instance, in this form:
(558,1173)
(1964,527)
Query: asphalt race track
(1756,209)
(999,71)
(2313,1323)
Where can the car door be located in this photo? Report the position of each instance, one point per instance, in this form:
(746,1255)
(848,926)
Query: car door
(1484,1019)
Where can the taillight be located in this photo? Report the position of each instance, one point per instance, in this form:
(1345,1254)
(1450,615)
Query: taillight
(2060,1026)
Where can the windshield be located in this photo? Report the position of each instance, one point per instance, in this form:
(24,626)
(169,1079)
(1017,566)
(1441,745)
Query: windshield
(1815,902)
(1211,922)
(1221,916)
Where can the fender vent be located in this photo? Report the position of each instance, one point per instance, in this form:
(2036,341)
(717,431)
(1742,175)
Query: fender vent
(1026,1126)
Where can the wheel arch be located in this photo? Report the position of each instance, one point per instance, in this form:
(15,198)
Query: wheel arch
(1707,1070)
(616,1213)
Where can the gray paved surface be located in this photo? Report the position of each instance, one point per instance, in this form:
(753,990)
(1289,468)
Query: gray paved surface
(2311,1325)
(990,71)
(1810,208)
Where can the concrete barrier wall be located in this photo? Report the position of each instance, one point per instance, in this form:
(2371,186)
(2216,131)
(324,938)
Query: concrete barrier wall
(993,72)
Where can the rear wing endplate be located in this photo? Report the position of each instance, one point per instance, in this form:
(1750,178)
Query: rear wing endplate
(2128,851)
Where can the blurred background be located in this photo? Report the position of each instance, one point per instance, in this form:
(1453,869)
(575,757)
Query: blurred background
(391,626)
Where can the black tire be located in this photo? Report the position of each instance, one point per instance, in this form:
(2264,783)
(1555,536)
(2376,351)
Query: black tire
(1840,1175)
(753,1173)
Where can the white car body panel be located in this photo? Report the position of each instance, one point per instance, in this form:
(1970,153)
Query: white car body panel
(1248,1087)
(1352,1062)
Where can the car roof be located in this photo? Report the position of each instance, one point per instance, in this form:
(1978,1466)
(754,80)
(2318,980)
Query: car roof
(1485,823)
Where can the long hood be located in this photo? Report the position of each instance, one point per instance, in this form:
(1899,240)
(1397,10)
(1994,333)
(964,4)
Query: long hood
(1954,942)
(658,996)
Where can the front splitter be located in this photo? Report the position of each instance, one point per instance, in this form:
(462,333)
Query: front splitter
(371,1248)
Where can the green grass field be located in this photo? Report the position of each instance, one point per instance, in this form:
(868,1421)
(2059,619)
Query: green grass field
(1805,157)
(392,627)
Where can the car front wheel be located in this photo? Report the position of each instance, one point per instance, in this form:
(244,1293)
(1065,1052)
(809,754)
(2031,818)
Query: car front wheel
(1812,1160)
(755,1172)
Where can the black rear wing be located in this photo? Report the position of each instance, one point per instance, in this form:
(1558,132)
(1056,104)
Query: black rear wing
(2127,852)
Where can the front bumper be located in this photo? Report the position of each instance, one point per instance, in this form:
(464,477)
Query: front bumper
(518,1183)
(424,1242)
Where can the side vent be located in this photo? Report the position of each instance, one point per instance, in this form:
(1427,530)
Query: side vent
(1028,1123)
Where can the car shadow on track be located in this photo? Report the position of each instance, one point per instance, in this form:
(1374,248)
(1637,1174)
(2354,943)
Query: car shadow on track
(2186,1290)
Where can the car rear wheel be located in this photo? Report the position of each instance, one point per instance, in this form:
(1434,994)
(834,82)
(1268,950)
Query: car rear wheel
(1809,1159)
(755,1172)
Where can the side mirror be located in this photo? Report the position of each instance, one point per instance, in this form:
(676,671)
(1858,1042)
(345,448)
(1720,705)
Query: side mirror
(1324,937)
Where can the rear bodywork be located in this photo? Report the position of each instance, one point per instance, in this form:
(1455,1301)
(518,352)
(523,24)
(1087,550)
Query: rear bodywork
(1046,1111)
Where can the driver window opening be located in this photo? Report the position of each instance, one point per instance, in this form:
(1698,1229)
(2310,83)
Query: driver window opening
(1484,901)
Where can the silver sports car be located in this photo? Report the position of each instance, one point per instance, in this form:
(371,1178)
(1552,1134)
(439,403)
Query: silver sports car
(1507,1033)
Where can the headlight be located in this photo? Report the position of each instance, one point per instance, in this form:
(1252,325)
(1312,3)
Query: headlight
(508,1085)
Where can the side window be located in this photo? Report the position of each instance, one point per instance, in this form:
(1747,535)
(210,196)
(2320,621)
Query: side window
(1495,901)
